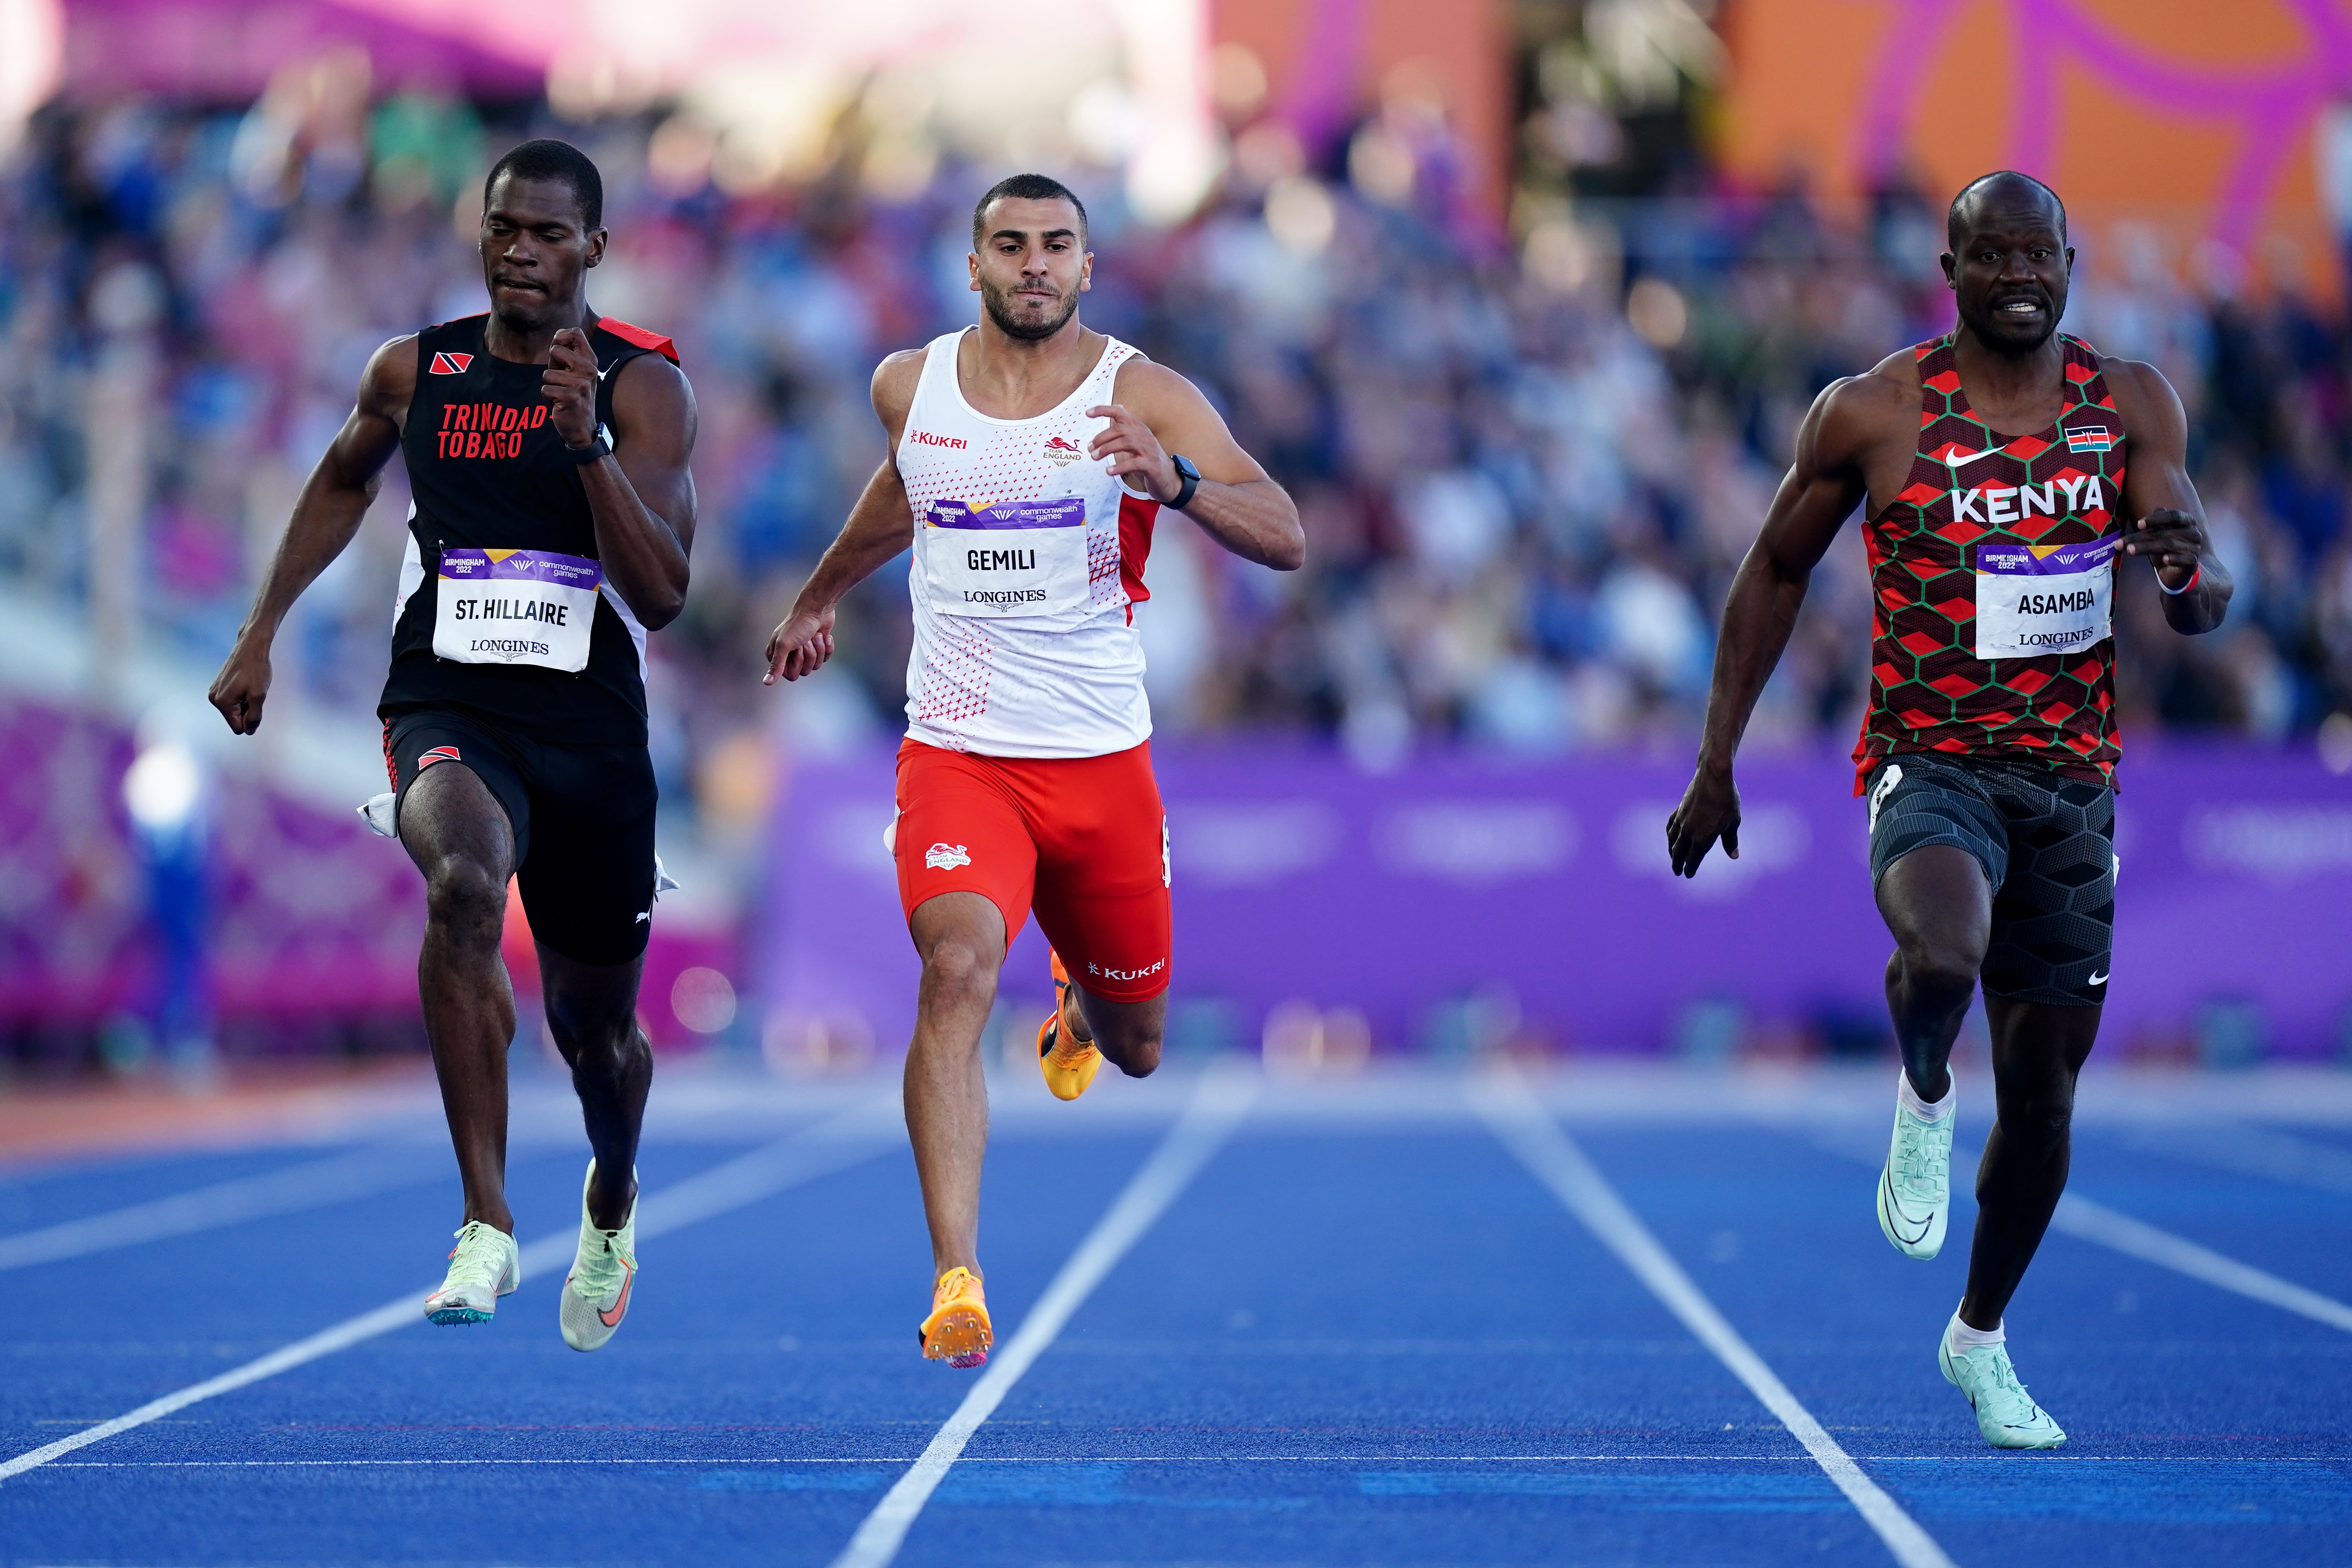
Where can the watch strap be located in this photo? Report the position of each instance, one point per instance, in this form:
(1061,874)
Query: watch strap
(593,451)
(1191,477)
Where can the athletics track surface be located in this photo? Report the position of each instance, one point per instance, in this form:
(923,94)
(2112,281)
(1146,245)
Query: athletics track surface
(1412,1318)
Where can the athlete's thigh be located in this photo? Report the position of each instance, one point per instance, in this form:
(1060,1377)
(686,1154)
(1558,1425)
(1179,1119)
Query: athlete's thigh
(455,790)
(959,830)
(2054,919)
(587,884)
(1103,874)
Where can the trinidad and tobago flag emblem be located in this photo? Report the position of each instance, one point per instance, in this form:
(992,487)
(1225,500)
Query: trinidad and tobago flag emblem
(451,364)
(437,755)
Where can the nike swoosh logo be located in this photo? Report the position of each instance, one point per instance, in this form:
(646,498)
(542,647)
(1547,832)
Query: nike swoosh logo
(1962,462)
(612,1319)
(1894,1205)
(2100,979)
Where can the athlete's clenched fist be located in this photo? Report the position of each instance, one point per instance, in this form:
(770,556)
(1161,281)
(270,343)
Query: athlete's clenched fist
(799,646)
(1137,458)
(2171,540)
(570,385)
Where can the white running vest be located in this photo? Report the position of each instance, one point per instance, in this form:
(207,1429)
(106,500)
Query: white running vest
(1027,556)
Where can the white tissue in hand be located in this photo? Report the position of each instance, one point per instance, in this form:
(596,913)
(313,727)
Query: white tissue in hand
(379,814)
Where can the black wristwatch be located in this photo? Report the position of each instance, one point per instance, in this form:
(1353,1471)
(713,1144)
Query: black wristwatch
(583,456)
(1189,475)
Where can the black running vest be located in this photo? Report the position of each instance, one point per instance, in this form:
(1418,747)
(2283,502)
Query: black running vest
(488,471)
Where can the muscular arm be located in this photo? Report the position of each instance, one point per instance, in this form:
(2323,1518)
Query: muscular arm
(641,499)
(1159,413)
(326,515)
(880,525)
(1821,489)
(2164,521)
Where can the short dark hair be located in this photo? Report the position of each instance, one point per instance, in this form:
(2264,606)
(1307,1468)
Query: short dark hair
(547,159)
(1952,218)
(1026,188)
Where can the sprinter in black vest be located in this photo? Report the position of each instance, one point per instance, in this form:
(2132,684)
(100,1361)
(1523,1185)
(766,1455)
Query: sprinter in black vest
(547,450)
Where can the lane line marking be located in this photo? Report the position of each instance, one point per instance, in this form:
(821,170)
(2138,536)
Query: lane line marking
(1214,1112)
(845,1139)
(1527,1130)
(2088,1221)
(314,1184)
(2085,1220)
(1987,1459)
(2245,1150)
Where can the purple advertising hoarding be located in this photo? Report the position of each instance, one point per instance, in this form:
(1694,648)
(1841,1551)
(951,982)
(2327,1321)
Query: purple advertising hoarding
(1541,891)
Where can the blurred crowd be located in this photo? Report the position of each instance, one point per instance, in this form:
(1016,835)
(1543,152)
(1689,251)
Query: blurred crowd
(1529,456)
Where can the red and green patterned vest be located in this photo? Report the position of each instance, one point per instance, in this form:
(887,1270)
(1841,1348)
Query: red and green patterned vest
(1970,489)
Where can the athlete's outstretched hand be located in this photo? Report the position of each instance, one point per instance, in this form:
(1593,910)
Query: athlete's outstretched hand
(1710,810)
(1134,450)
(570,385)
(799,646)
(243,686)
(2171,540)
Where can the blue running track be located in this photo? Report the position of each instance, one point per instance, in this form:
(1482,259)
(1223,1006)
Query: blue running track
(1364,1333)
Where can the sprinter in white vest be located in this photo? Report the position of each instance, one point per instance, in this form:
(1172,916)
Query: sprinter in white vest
(1028,459)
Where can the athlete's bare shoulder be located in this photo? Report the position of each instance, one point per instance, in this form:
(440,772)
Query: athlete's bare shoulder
(895,379)
(1856,416)
(2148,408)
(1145,387)
(389,382)
(2139,389)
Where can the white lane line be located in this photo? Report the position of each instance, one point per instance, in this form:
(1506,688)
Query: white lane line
(315,1185)
(1694,1459)
(1218,1104)
(856,1134)
(2087,1221)
(1528,1132)
(2248,1151)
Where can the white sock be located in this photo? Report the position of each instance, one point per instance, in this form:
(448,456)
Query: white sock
(1909,1098)
(1965,1339)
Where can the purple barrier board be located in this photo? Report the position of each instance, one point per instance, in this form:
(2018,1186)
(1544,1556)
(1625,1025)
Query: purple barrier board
(1544,889)
(311,916)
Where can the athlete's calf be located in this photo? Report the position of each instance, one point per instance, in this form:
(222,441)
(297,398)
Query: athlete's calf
(1126,1033)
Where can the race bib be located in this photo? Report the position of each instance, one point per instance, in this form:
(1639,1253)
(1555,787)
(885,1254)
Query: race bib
(516,607)
(2038,599)
(1022,558)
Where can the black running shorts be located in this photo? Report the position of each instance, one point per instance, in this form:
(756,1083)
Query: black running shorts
(583,820)
(2047,844)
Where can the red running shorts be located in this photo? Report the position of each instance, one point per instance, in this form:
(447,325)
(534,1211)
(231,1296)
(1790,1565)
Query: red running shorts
(1081,840)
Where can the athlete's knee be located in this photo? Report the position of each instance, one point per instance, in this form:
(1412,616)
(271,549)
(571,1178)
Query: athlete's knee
(1939,963)
(464,898)
(596,1042)
(957,970)
(2040,1121)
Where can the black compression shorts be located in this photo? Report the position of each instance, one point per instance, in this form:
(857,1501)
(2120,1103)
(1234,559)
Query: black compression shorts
(2047,844)
(583,820)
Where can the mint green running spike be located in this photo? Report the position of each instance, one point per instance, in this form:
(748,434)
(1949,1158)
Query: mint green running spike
(484,1265)
(1915,1185)
(604,1271)
(2006,1414)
